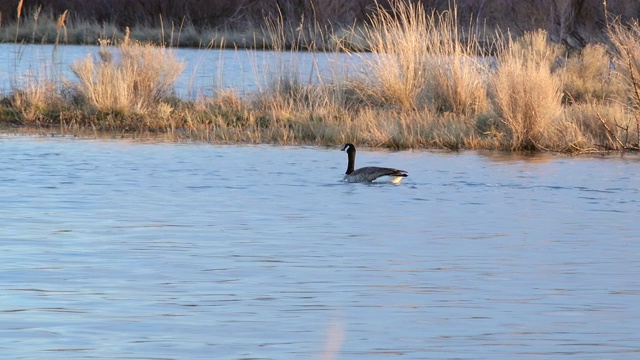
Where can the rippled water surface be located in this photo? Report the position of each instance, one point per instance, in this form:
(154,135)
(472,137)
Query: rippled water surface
(123,250)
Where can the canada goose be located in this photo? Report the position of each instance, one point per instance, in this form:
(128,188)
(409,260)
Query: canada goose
(370,173)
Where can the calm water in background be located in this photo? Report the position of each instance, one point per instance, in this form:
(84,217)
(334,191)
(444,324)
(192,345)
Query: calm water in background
(124,250)
(206,71)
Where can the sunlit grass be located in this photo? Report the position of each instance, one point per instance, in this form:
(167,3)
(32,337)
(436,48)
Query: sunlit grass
(423,84)
(420,60)
(132,78)
(590,76)
(525,94)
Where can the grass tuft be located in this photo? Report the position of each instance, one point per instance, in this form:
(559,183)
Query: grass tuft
(422,59)
(588,76)
(133,78)
(526,96)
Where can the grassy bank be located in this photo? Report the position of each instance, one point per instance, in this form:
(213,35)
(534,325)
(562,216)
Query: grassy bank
(424,86)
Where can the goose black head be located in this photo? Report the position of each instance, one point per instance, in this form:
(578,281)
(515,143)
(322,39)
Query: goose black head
(349,148)
(351,155)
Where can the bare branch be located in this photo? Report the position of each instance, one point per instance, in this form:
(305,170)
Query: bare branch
(615,137)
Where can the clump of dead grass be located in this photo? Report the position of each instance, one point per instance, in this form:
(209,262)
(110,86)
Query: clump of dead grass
(625,40)
(588,76)
(132,78)
(526,95)
(626,43)
(420,60)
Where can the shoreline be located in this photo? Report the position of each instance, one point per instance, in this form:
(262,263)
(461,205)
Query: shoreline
(434,92)
(497,155)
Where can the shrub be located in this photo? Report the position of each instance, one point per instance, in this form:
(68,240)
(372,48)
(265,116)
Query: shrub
(134,79)
(587,76)
(526,96)
(419,59)
(626,43)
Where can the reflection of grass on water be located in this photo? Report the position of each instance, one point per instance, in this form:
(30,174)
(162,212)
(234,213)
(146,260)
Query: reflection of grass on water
(424,86)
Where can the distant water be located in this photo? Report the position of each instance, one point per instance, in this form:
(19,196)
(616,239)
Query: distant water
(207,70)
(125,250)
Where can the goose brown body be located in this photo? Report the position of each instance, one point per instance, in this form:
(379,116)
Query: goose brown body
(370,173)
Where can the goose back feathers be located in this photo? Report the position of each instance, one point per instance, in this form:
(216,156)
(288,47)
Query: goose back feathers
(370,173)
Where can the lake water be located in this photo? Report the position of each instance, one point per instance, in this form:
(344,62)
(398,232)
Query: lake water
(114,249)
(244,71)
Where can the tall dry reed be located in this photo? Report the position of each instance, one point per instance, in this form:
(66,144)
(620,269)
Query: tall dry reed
(625,40)
(36,99)
(60,25)
(526,95)
(422,59)
(588,76)
(626,43)
(130,78)
(18,18)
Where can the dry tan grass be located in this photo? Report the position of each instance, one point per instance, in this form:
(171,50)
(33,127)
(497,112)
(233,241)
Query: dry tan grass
(422,87)
(132,78)
(420,60)
(590,134)
(36,97)
(626,42)
(398,64)
(526,96)
(588,76)
(34,100)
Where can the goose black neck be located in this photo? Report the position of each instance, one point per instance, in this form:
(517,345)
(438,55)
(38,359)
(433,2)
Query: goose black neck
(351,154)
